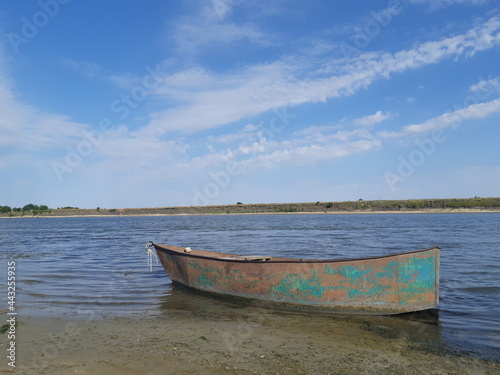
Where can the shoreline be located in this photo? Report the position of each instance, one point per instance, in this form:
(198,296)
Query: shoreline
(410,206)
(236,341)
(356,212)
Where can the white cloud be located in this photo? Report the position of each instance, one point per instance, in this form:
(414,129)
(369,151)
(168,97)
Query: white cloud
(219,9)
(249,132)
(191,36)
(305,147)
(26,128)
(211,25)
(256,89)
(317,143)
(450,119)
(310,154)
(194,77)
(473,112)
(486,87)
(213,99)
(230,98)
(28,135)
(317,132)
(374,119)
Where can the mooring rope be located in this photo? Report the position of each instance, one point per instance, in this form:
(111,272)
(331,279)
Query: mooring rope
(151,255)
(150,258)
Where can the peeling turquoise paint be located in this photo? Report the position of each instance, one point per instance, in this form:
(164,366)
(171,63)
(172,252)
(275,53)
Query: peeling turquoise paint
(294,286)
(405,281)
(377,289)
(207,282)
(389,271)
(349,272)
(418,269)
(217,279)
(416,279)
(196,265)
(299,288)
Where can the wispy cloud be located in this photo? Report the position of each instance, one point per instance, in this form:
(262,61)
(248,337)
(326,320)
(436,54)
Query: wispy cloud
(318,143)
(253,147)
(438,4)
(26,128)
(219,9)
(486,86)
(257,89)
(308,154)
(212,25)
(91,70)
(447,120)
(374,119)
(87,68)
(150,157)
(29,134)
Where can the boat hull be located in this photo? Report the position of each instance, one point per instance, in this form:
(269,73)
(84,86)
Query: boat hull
(393,284)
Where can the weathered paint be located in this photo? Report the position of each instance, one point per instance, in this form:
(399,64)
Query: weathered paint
(416,276)
(295,285)
(382,285)
(348,272)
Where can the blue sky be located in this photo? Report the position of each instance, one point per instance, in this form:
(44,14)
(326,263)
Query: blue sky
(172,103)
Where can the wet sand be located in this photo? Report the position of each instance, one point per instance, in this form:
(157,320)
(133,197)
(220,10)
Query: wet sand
(236,341)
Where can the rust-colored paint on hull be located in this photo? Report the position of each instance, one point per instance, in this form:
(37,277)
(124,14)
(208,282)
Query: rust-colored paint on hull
(391,284)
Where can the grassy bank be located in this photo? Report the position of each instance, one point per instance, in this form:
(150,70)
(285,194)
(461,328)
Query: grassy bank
(360,206)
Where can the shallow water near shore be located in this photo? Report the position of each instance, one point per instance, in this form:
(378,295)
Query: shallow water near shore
(73,269)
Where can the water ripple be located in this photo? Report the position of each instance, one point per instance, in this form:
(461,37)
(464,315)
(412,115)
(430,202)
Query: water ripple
(77,266)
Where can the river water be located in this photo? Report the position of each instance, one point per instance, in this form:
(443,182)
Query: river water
(71,267)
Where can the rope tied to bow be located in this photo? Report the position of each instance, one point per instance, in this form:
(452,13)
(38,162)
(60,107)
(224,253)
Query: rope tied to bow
(151,256)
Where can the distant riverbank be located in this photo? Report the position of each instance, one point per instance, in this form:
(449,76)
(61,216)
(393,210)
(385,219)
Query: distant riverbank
(355,207)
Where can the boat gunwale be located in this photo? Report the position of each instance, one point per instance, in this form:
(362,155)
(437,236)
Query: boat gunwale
(226,257)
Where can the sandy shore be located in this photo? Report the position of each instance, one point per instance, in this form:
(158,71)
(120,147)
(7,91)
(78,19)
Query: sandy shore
(236,341)
(360,212)
(467,205)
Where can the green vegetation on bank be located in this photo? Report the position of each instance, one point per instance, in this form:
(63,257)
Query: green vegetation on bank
(415,204)
(31,208)
(410,205)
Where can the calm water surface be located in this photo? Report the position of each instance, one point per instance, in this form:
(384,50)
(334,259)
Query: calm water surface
(77,266)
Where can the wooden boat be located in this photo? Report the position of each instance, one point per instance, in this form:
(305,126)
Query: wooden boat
(391,284)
